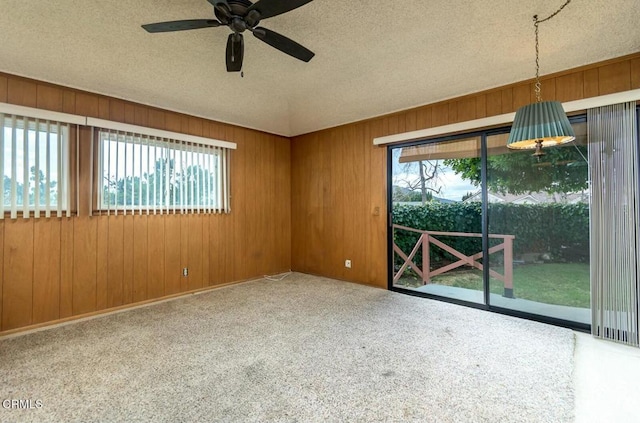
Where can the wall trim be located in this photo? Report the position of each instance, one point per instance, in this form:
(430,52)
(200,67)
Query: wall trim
(569,106)
(159,133)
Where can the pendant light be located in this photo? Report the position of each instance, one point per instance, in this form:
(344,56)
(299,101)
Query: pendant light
(543,123)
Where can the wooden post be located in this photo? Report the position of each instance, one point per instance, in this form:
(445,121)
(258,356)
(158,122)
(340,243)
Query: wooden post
(426,264)
(508,267)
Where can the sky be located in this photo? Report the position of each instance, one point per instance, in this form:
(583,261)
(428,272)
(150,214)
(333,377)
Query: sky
(452,186)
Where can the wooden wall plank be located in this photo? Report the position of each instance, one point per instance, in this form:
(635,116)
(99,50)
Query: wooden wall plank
(103,108)
(195,247)
(357,218)
(507,100)
(141,115)
(494,103)
(466,109)
(363,134)
(84,265)
(614,78)
(66,267)
(128,262)
(184,250)
(411,119)
(570,87)
(216,273)
(334,208)
(156,119)
(548,91)
(156,245)
(102,261)
(250,193)
(172,255)
(115,261)
(46,270)
(87,104)
(206,252)
(635,74)
(453,112)
(377,261)
(439,116)
(49,97)
(590,78)
(116,110)
(22,92)
(140,258)
(423,118)
(172,122)
(17,286)
(195,126)
(69,101)
(129,113)
(4,88)
(521,96)
(481,106)
(263,177)
(238,204)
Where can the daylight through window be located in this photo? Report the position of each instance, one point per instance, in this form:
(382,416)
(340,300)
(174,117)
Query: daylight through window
(146,174)
(34,167)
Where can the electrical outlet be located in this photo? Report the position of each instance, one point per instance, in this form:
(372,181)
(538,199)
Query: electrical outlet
(347,264)
(185,271)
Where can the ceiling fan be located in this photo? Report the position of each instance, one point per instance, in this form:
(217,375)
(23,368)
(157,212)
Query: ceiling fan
(240,16)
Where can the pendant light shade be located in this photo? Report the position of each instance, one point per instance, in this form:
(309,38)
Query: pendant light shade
(545,122)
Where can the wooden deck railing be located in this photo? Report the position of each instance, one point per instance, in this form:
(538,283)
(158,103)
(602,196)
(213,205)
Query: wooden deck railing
(429,237)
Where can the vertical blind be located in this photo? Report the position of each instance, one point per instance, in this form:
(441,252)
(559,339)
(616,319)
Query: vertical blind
(155,175)
(614,209)
(33,167)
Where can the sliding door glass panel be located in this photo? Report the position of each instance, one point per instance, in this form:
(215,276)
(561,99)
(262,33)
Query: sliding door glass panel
(538,225)
(437,220)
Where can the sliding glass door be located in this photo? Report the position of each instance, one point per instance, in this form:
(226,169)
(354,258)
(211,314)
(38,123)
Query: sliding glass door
(542,203)
(437,225)
(475,222)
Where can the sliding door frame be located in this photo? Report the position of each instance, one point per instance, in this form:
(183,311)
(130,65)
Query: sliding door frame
(483,134)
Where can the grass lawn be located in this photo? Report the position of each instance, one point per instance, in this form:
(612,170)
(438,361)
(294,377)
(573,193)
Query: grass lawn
(551,283)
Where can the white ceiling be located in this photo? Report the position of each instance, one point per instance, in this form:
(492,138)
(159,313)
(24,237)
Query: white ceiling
(372,57)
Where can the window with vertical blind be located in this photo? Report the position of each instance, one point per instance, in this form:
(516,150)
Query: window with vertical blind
(34,164)
(155,175)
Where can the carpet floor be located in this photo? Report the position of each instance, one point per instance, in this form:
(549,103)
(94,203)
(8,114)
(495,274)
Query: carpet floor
(304,349)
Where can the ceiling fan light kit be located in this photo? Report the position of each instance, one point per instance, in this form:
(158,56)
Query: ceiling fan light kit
(241,16)
(543,123)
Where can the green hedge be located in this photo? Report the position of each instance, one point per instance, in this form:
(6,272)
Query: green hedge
(560,231)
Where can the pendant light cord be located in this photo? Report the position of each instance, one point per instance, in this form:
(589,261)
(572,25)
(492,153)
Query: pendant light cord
(537,22)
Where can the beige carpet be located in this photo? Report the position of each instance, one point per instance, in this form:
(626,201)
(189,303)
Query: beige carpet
(304,349)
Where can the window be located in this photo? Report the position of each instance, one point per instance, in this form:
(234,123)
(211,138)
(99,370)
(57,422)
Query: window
(34,164)
(160,175)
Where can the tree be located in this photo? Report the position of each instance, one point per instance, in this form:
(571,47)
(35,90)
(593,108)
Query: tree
(560,170)
(421,177)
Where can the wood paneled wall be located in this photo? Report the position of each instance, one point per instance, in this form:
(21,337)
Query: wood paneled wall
(52,269)
(339,177)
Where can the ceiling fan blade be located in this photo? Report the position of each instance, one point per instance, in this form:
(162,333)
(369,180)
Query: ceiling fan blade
(283,44)
(269,8)
(181,25)
(235,52)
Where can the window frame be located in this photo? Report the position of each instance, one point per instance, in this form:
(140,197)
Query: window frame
(171,148)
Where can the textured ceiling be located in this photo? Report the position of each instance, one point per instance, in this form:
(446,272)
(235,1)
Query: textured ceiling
(372,57)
